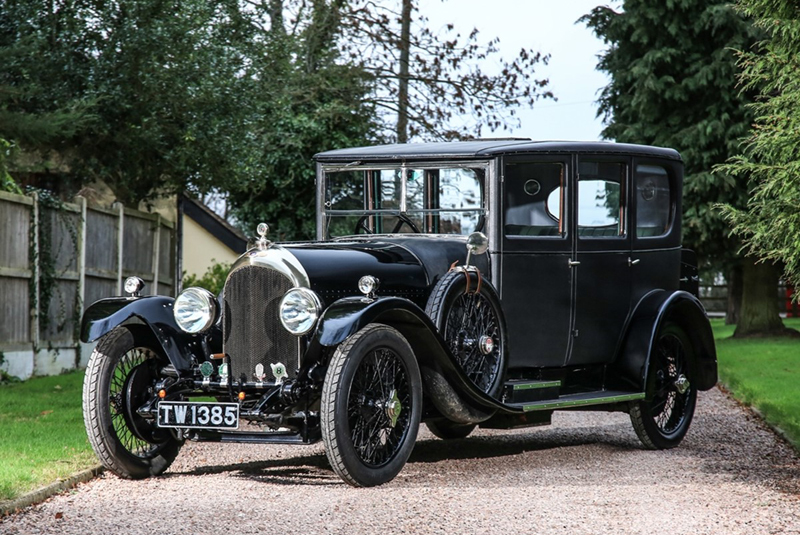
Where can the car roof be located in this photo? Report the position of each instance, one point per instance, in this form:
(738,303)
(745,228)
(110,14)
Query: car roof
(487,148)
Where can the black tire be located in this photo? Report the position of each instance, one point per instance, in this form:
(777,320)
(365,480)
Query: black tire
(447,430)
(118,377)
(662,419)
(370,376)
(464,319)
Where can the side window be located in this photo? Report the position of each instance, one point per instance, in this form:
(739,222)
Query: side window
(653,201)
(601,210)
(534,199)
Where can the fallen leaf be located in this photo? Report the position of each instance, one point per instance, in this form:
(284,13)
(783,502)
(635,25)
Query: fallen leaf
(59,515)
(57,387)
(45,413)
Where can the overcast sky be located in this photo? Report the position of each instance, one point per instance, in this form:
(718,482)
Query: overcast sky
(548,27)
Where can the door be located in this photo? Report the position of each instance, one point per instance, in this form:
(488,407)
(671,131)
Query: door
(536,280)
(602,262)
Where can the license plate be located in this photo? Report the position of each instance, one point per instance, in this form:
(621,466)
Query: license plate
(194,415)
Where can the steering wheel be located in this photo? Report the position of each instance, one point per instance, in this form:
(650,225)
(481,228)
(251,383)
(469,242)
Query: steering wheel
(404,219)
(361,224)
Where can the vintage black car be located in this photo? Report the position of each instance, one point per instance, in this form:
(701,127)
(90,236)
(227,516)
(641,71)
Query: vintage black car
(482,283)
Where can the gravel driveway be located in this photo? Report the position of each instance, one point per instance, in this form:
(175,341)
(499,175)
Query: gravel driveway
(584,474)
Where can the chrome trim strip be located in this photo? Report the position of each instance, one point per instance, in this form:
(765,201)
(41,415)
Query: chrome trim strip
(581,402)
(277,258)
(538,384)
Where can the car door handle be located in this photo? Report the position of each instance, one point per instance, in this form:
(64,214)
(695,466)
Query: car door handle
(632,262)
(573,263)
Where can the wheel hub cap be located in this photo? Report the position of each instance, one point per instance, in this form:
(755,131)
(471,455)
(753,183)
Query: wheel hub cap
(486,344)
(393,408)
(682,384)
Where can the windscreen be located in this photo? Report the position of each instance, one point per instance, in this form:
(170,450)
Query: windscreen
(424,199)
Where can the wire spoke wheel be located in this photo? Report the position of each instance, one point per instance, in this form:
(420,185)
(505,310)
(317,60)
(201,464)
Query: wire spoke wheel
(371,406)
(379,384)
(120,378)
(122,421)
(469,318)
(473,334)
(662,419)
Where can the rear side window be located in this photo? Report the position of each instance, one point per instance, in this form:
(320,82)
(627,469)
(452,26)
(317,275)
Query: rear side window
(535,199)
(653,201)
(601,199)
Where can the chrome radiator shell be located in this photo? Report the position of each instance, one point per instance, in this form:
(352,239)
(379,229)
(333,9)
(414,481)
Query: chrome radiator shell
(251,327)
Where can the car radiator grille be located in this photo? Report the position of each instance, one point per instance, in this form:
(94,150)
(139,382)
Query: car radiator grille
(252,330)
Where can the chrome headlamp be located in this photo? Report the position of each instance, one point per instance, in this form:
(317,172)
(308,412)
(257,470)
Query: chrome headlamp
(299,310)
(134,286)
(195,310)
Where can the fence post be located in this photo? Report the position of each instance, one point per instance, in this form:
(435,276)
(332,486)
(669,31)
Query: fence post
(120,240)
(82,253)
(156,253)
(35,274)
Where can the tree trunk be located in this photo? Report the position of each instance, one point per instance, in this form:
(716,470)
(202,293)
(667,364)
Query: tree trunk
(734,295)
(402,92)
(759,313)
(275,11)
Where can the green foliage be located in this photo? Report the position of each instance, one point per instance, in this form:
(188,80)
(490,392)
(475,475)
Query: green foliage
(43,436)
(309,101)
(52,214)
(673,84)
(6,182)
(212,280)
(763,373)
(770,223)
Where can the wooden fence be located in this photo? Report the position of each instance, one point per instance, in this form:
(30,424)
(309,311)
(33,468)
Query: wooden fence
(57,258)
(714,297)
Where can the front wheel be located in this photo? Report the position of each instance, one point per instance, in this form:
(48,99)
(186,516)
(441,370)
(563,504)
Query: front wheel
(120,377)
(371,406)
(662,419)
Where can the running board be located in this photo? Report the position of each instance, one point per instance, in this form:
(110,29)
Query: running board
(522,391)
(603,397)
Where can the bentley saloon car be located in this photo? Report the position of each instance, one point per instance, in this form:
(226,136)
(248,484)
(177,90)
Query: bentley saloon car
(482,283)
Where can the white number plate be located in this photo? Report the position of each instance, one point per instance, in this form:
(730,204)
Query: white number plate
(193,415)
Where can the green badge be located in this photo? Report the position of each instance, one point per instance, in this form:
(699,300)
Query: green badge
(206,369)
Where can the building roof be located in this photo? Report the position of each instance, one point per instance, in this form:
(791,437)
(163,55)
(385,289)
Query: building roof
(487,148)
(215,225)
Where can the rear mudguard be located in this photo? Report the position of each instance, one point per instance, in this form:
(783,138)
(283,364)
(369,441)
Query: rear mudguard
(151,320)
(449,389)
(657,309)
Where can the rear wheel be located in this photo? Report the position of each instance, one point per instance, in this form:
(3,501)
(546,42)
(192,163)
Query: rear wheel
(120,377)
(663,418)
(371,406)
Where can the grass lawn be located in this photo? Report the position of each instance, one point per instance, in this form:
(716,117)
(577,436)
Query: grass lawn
(42,438)
(764,373)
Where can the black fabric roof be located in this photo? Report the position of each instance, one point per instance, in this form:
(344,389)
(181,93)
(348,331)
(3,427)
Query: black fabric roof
(486,148)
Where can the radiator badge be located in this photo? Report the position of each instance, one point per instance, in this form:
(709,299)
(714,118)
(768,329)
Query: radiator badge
(279,371)
(260,375)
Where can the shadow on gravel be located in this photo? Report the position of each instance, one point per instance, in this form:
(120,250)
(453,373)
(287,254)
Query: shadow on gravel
(307,470)
(487,447)
(315,470)
(747,450)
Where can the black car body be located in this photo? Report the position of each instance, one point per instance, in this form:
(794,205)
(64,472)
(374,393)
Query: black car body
(458,284)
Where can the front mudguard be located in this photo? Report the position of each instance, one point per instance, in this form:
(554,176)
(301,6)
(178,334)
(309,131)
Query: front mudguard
(655,310)
(448,388)
(151,320)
